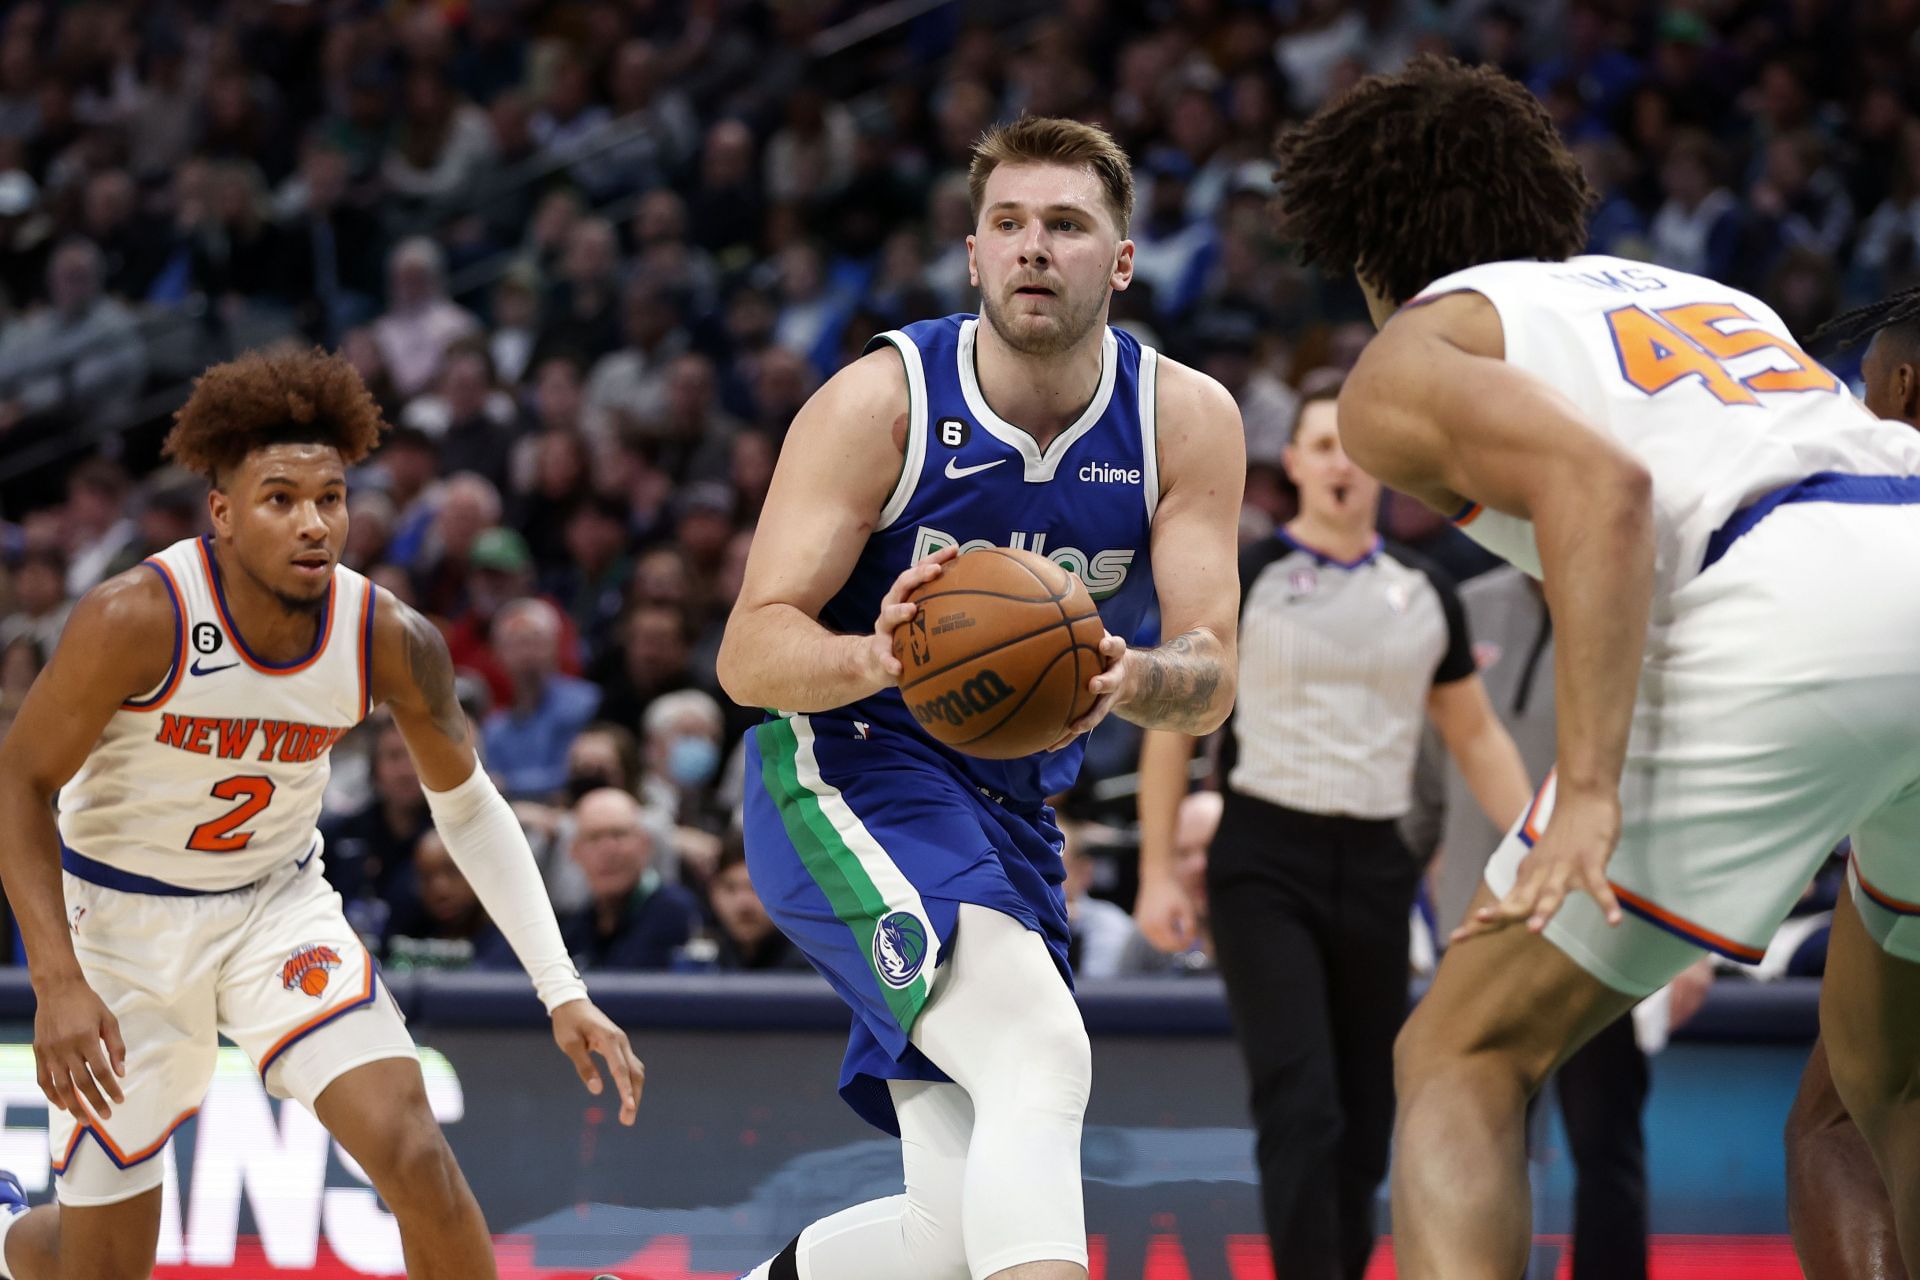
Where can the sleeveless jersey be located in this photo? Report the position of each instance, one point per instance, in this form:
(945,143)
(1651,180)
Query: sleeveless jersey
(1700,382)
(214,778)
(972,480)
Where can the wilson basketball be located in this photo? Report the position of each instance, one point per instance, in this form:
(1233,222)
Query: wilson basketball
(996,660)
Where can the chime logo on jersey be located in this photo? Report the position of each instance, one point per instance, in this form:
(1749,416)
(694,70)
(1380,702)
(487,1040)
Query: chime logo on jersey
(1102,571)
(899,948)
(310,968)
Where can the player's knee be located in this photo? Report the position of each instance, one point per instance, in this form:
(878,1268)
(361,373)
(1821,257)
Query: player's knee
(418,1171)
(934,1242)
(1059,1059)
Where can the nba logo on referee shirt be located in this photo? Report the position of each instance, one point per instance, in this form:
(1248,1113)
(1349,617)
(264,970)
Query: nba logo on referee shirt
(899,948)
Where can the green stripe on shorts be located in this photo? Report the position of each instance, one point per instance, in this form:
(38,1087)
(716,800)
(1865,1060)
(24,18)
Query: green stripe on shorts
(835,866)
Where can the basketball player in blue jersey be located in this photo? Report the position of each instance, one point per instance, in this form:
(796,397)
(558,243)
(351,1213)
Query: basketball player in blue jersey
(1729,544)
(926,885)
(184,722)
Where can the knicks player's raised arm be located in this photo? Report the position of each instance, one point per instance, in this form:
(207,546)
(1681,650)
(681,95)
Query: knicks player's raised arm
(1433,409)
(120,642)
(1187,682)
(841,459)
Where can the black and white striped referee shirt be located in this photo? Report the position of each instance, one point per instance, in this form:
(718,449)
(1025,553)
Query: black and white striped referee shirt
(1336,661)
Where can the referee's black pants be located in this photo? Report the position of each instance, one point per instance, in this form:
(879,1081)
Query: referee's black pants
(1602,1090)
(1309,918)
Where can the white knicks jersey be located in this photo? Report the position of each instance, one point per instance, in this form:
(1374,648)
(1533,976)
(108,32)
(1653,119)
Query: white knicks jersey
(1700,382)
(213,778)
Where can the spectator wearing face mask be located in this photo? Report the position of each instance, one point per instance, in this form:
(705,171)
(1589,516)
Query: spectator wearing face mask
(681,755)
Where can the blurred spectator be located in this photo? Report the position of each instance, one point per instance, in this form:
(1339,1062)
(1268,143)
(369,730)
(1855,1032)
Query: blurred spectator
(369,852)
(591,583)
(745,936)
(1102,931)
(79,358)
(634,377)
(1195,825)
(636,919)
(580,317)
(727,204)
(681,756)
(99,530)
(132,249)
(446,928)
(650,659)
(20,661)
(1698,227)
(527,739)
(465,506)
(469,415)
(569,125)
(440,146)
(40,603)
(420,323)
(500,571)
(515,317)
(559,463)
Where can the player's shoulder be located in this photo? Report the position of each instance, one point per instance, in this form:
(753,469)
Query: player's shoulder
(1188,396)
(131,609)
(407,645)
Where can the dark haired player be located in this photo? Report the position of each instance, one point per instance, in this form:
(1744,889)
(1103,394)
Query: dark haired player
(184,722)
(1730,547)
(1837,1205)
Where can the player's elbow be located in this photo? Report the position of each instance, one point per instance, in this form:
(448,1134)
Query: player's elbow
(733,665)
(1220,705)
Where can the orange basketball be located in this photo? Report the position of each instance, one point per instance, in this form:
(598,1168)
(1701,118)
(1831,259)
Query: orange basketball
(996,661)
(314,981)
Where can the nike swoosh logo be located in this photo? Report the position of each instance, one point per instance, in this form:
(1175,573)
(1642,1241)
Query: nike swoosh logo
(957,472)
(302,864)
(199,670)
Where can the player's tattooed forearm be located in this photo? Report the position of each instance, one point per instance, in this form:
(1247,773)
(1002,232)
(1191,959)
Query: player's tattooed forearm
(1178,684)
(432,669)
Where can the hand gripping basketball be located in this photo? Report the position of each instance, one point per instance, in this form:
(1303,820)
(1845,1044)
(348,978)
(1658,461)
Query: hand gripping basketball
(876,652)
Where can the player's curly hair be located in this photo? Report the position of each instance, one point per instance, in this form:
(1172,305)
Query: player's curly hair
(1436,168)
(273,397)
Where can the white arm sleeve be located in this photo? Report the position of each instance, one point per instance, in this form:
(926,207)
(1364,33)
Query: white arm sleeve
(486,843)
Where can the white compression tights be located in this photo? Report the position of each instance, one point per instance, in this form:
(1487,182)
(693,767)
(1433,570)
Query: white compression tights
(992,1162)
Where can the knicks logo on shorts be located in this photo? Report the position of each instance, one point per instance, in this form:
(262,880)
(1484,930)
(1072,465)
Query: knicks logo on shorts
(899,948)
(309,969)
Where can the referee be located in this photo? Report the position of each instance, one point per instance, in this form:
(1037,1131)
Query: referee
(1347,647)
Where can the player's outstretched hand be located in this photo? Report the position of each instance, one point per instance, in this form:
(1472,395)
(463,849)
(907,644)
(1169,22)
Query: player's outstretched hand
(881,666)
(1116,666)
(1165,914)
(1571,854)
(581,1031)
(77,1050)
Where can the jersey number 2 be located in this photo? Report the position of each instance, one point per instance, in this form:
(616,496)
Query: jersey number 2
(218,836)
(1660,348)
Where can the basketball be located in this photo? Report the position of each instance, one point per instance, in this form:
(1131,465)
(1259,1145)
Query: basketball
(996,661)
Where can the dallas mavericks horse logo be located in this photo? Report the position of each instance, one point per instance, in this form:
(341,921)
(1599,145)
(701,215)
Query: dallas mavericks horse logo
(899,948)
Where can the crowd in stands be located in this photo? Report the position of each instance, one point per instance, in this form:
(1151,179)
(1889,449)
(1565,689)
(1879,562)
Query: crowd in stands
(592,256)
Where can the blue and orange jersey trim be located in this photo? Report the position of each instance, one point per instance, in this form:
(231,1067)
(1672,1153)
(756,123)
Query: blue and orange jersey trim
(359,1000)
(1530,825)
(174,672)
(1661,918)
(1466,515)
(1880,897)
(121,1159)
(366,652)
(233,632)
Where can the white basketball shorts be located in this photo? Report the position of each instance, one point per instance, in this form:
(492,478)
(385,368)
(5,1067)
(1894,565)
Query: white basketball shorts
(274,967)
(1778,711)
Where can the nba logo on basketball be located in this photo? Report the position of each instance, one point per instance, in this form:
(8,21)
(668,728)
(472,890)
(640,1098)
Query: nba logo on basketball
(309,969)
(899,948)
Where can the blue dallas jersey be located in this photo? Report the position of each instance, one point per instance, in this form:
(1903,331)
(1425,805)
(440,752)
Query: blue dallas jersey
(973,480)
